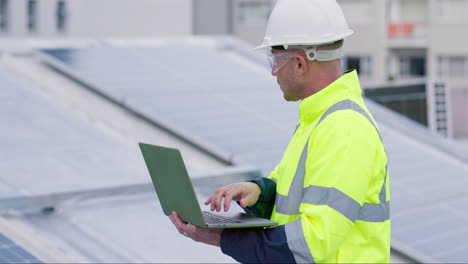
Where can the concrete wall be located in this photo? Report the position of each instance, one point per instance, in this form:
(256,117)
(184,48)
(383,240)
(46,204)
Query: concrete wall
(16,18)
(130,18)
(213,17)
(369,39)
(106,18)
(251,29)
(252,33)
(449,37)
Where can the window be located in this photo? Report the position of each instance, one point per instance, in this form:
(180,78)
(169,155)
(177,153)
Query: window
(412,66)
(32,15)
(61,16)
(453,66)
(356,11)
(3,15)
(254,11)
(414,11)
(407,99)
(453,9)
(362,64)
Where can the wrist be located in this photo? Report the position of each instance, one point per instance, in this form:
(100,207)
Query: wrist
(216,241)
(257,190)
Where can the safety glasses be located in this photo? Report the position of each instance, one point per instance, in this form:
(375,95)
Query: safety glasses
(278,60)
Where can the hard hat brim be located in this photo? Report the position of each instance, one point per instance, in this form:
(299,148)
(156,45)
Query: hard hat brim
(267,44)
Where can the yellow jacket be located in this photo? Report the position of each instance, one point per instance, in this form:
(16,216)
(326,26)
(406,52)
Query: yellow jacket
(331,179)
(332,188)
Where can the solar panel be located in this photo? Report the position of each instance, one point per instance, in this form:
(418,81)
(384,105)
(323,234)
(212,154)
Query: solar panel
(10,252)
(207,94)
(428,193)
(204,92)
(46,149)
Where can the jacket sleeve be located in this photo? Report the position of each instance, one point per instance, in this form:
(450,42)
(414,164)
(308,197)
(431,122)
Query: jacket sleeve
(264,206)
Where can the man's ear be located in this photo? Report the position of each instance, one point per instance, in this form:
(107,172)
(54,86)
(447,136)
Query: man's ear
(300,64)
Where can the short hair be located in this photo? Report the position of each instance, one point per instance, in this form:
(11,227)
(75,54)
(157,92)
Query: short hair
(279,47)
(335,45)
(332,46)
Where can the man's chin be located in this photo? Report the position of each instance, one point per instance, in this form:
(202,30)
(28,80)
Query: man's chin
(289,99)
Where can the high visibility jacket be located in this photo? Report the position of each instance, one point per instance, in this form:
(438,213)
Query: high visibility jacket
(332,195)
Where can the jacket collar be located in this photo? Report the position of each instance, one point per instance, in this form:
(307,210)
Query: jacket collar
(312,107)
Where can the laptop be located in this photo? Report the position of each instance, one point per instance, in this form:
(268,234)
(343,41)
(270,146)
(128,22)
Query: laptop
(175,192)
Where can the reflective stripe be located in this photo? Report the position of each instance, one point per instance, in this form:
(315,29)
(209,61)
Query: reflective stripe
(336,199)
(297,243)
(289,205)
(285,205)
(374,212)
(332,197)
(297,126)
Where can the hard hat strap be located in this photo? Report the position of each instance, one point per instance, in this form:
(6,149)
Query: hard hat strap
(319,55)
(328,55)
(322,55)
(311,53)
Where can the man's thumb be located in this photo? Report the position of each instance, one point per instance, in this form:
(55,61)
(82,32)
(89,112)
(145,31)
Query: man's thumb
(243,202)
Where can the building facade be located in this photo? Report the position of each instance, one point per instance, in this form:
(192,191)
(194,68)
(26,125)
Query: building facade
(406,40)
(94,19)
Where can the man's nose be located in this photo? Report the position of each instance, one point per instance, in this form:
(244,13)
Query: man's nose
(274,73)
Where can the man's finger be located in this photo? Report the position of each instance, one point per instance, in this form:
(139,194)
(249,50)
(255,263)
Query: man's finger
(175,219)
(212,201)
(207,202)
(172,217)
(228,198)
(181,225)
(218,196)
(179,220)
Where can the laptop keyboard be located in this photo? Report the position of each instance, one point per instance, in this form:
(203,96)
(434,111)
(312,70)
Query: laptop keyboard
(216,219)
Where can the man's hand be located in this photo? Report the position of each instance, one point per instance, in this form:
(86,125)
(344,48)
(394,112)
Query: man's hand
(204,235)
(245,192)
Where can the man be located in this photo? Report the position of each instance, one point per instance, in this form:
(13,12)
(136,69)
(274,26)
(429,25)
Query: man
(330,191)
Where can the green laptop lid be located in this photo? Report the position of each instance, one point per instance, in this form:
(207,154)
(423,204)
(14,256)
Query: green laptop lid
(172,184)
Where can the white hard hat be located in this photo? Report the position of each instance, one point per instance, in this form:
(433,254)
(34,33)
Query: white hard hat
(305,22)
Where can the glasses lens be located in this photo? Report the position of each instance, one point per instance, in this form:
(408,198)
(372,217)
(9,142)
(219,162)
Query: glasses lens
(272,59)
(278,60)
